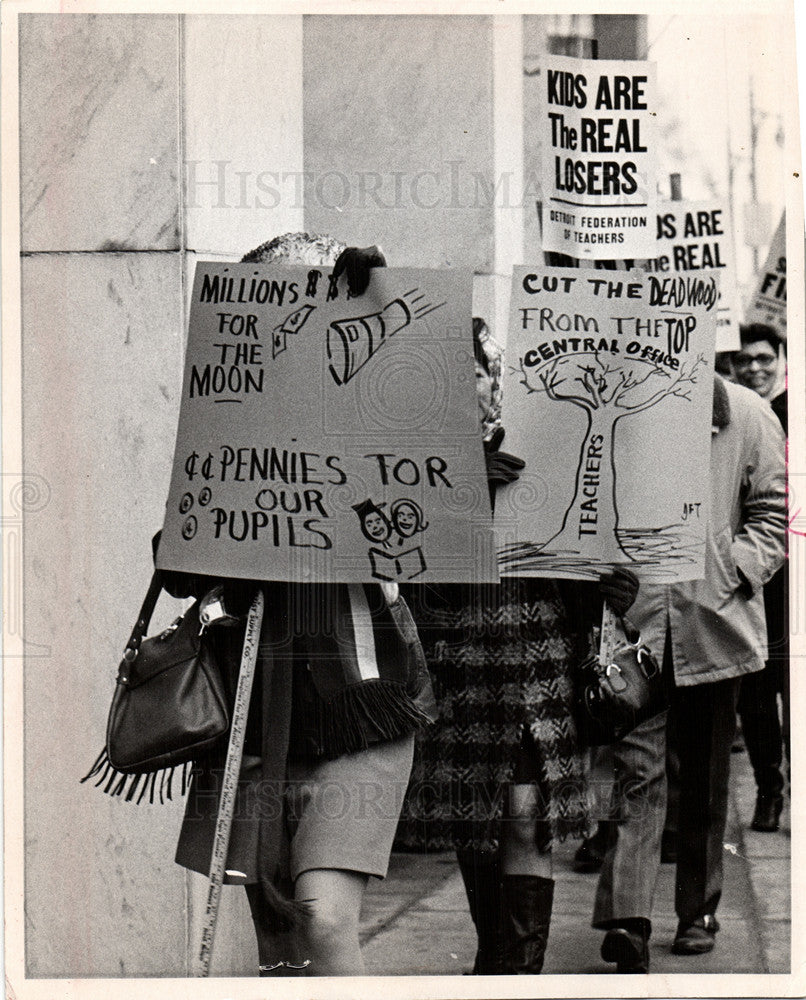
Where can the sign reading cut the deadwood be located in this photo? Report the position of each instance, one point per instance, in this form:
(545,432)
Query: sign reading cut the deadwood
(608,398)
(324,437)
(598,156)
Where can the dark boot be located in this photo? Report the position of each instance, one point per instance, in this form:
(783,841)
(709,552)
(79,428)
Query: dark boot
(481,874)
(527,907)
(627,944)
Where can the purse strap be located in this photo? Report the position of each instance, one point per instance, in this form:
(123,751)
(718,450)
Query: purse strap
(143,619)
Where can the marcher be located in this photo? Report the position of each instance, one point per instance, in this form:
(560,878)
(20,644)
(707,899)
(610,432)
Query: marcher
(501,775)
(711,632)
(758,365)
(329,718)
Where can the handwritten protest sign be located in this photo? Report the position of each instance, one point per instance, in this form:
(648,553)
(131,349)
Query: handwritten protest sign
(599,172)
(695,237)
(768,304)
(329,438)
(608,397)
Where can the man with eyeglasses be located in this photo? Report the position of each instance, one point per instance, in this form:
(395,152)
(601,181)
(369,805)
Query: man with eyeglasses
(759,366)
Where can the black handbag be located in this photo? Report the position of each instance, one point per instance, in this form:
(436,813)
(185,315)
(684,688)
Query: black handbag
(168,708)
(610,701)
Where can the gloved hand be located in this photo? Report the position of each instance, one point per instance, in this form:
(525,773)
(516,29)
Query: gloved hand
(619,588)
(501,466)
(357,261)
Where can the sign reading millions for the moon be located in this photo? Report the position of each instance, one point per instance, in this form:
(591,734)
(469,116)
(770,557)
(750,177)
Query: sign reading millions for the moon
(608,398)
(324,437)
(598,157)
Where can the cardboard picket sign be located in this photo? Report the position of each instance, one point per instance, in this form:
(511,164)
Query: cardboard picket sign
(329,438)
(598,158)
(695,237)
(768,303)
(608,398)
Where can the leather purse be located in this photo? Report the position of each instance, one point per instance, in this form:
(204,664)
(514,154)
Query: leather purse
(168,708)
(610,701)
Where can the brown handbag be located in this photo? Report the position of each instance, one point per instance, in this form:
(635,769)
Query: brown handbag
(610,701)
(168,708)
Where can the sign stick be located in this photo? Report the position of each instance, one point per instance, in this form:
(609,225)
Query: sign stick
(607,640)
(226,805)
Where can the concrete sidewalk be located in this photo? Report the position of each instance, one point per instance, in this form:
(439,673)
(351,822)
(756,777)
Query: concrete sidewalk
(416,921)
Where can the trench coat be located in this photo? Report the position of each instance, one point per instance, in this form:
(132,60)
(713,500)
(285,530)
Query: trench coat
(717,624)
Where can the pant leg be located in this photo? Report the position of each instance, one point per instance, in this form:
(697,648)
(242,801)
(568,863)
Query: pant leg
(785,730)
(707,722)
(627,880)
(761,726)
(672,776)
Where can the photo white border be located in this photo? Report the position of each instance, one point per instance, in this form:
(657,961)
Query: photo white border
(686,985)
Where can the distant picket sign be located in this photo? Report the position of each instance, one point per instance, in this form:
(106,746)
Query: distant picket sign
(696,237)
(768,302)
(598,158)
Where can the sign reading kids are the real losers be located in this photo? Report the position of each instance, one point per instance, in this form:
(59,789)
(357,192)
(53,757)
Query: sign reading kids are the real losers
(608,399)
(329,438)
(598,160)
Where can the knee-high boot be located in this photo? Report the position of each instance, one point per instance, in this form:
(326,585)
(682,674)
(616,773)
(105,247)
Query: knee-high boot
(527,917)
(481,875)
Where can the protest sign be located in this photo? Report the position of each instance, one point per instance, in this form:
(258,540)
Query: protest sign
(768,304)
(598,169)
(607,397)
(695,236)
(329,438)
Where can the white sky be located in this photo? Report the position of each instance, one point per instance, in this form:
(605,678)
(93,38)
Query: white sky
(705,70)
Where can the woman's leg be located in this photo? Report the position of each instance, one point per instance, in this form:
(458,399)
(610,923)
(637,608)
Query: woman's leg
(328,934)
(520,828)
(528,888)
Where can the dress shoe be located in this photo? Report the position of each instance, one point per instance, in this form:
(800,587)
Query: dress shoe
(590,854)
(628,949)
(768,812)
(588,857)
(696,938)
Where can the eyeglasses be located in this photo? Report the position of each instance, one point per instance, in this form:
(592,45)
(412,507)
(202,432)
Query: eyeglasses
(745,360)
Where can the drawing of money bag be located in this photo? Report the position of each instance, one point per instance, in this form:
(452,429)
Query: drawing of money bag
(352,342)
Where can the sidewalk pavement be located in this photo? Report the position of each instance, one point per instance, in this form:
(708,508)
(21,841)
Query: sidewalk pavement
(416,921)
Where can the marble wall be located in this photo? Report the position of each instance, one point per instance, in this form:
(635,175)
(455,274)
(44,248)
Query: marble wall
(399,135)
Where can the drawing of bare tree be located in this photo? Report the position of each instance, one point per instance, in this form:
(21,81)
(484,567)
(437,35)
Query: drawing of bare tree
(606,392)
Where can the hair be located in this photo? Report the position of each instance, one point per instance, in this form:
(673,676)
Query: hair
(296,248)
(422,524)
(480,332)
(753,333)
(389,526)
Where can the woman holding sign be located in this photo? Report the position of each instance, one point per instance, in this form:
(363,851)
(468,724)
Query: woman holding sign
(501,775)
(339,690)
